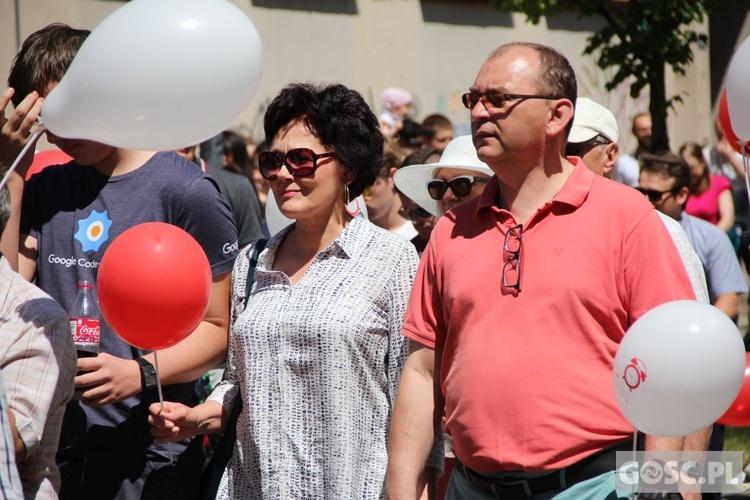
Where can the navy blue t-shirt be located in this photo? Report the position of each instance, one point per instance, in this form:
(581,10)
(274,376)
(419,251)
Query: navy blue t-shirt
(75,212)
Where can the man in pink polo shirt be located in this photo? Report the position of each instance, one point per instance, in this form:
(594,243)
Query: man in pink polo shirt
(521,300)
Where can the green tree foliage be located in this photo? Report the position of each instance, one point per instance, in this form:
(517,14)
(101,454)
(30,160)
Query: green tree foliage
(639,39)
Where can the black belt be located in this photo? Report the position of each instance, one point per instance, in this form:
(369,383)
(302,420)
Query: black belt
(522,488)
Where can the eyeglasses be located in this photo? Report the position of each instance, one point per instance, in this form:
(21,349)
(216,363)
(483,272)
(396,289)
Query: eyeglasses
(512,266)
(497,99)
(300,162)
(581,148)
(655,195)
(461,186)
(418,213)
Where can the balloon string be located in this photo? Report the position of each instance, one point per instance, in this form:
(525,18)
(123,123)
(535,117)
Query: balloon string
(161,401)
(635,448)
(32,140)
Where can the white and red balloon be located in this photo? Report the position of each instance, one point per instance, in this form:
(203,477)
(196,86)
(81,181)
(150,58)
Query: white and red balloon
(738,91)
(678,368)
(159,75)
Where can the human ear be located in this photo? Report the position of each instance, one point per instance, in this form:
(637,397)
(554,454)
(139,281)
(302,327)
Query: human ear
(611,151)
(560,115)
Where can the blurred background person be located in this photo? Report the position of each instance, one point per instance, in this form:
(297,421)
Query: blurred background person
(411,136)
(234,153)
(710,195)
(721,157)
(382,200)
(239,195)
(396,104)
(440,130)
(593,137)
(259,183)
(627,168)
(422,220)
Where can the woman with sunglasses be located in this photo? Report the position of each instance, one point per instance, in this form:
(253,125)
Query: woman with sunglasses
(317,353)
(457,177)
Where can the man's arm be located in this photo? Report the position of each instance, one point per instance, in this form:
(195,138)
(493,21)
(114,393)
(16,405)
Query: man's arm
(416,415)
(111,379)
(27,253)
(726,211)
(728,154)
(729,303)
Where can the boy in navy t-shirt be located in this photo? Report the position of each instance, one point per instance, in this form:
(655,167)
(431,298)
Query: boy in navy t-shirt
(106,450)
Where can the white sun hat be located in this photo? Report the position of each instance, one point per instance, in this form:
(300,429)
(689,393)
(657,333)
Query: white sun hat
(459,154)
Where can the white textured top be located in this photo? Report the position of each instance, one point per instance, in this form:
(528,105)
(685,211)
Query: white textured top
(690,259)
(317,365)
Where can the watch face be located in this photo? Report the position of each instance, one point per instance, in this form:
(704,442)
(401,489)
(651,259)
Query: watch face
(148,374)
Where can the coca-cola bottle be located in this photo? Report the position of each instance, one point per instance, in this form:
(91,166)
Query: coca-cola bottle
(85,321)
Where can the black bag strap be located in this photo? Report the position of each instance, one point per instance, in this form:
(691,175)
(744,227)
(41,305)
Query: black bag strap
(213,472)
(260,245)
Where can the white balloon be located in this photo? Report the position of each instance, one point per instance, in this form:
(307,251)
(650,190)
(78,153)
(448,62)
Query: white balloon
(276,221)
(159,75)
(738,91)
(678,368)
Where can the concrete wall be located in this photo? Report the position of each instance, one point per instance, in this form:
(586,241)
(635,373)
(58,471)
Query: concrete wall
(431,47)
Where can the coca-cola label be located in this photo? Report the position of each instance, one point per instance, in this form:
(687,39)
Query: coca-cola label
(85,330)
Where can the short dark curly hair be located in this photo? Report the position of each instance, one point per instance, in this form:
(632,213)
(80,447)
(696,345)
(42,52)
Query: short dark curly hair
(341,120)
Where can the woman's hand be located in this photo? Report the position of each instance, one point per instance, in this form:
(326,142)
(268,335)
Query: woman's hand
(174,423)
(177,421)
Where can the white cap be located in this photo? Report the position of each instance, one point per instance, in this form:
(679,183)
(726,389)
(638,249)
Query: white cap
(459,154)
(592,119)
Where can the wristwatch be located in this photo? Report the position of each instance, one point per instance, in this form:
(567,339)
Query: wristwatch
(148,374)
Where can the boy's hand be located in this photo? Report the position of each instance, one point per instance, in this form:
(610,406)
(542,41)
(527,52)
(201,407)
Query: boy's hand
(16,127)
(106,379)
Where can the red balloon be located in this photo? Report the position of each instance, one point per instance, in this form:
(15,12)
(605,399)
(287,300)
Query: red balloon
(154,285)
(738,415)
(726,125)
(44,159)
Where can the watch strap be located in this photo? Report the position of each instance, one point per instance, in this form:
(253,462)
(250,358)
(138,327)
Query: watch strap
(148,374)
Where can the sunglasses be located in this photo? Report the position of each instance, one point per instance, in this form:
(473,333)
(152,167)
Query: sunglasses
(655,195)
(497,99)
(418,213)
(461,186)
(512,266)
(581,148)
(300,162)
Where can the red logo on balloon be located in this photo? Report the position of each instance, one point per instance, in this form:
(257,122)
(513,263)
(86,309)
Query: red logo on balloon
(634,373)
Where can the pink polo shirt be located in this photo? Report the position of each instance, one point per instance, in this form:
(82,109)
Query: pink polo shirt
(527,377)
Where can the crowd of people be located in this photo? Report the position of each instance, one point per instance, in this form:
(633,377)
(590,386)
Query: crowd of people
(467,328)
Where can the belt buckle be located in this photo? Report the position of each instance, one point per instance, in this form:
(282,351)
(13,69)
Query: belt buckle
(498,486)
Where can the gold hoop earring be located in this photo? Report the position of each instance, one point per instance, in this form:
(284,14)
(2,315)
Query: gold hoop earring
(346,195)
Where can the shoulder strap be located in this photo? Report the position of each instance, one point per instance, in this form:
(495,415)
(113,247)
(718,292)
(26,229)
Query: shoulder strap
(260,245)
